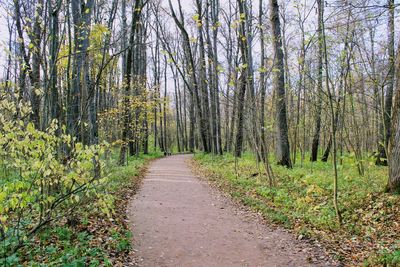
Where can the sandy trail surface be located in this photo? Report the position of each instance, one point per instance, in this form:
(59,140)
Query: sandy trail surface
(179,220)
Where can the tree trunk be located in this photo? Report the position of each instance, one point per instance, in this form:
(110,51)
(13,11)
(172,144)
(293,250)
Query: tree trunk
(387,112)
(263,88)
(315,141)
(81,13)
(127,83)
(196,90)
(243,80)
(279,88)
(394,148)
(36,62)
(55,107)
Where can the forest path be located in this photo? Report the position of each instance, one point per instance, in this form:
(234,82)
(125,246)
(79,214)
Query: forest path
(179,220)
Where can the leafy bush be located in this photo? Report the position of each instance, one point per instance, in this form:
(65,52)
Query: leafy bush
(39,181)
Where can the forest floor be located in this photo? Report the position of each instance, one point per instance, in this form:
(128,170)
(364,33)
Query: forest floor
(177,219)
(91,237)
(301,201)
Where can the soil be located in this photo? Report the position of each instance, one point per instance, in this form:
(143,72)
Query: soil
(178,220)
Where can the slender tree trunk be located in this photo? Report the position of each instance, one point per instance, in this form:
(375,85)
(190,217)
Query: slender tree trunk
(315,141)
(243,80)
(279,88)
(194,79)
(36,63)
(301,87)
(127,83)
(203,86)
(333,132)
(387,111)
(263,89)
(26,68)
(81,14)
(343,84)
(166,145)
(394,151)
(55,107)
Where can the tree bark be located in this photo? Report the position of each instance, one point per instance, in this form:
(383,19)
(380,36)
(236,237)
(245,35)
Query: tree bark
(279,88)
(387,112)
(394,147)
(243,80)
(315,141)
(127,82)
(81,14)
(195,89)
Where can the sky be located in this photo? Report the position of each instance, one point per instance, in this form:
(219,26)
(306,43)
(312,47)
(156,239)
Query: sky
(189,9)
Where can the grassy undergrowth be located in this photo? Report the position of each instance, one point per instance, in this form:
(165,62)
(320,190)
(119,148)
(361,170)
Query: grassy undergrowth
(302,201)
(94,235)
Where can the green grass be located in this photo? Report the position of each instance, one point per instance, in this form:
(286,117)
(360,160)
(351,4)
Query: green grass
(302,198)
(94,238)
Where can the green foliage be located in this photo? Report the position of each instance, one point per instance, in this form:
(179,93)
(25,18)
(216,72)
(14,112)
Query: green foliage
(48,179)
(384,258)
(38,183)
(96,237)
(302,198)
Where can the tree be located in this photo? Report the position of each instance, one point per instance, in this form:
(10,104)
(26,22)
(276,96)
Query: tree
(194,78)
(394,148)
(315,141)
(81,15)
(283,147)
(243,80)
(31,69)
(54,101)
(387,111)
(127,81)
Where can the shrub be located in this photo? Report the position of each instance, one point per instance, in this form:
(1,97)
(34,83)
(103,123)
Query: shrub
(39,181)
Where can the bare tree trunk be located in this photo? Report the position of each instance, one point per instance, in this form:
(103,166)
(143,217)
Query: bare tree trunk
(243,80)
(203,86)
(301,87)
(315,141)
(55,107)
(31,70)
(343,84)
(36,62)
(81,14)
(166,147)
(194,79)
(394,148)
(394,159)
(333,132)
(387,111)
(263,89)
(279,88)
(127,82)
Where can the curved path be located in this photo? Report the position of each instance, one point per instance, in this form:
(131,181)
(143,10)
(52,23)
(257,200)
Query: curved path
(178,220)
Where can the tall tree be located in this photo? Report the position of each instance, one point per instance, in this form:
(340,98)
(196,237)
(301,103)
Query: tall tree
(315,141)
(387,111)
(243,80)
(81,15)
(194,77)
(137,9)
(28,68)
(54,102)
(263,88)
(283,147)
(394,151)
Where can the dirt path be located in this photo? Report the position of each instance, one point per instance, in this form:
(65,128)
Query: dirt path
(178,220)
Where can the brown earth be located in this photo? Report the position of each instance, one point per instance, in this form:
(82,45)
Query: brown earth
(179,220)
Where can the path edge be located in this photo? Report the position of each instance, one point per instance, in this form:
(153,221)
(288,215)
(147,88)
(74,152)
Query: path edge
(201,173)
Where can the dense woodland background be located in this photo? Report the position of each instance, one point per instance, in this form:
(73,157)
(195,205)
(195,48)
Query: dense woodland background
(288,82)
